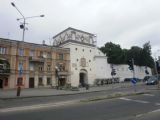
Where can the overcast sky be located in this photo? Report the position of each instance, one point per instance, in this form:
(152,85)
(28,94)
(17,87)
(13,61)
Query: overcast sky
(125,22)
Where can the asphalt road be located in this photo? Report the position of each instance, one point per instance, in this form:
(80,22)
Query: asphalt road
(140,107)
(41,100)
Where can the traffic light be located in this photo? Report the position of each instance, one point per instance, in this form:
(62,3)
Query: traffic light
(130,63)
(113,72)
(21,26)
(146,71)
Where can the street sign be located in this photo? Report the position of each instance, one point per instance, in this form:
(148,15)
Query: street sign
(134,81)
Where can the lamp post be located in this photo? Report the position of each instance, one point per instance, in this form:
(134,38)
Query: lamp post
(22,26)
(57,76)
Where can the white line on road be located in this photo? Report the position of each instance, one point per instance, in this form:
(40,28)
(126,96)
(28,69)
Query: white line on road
(40,106)
(139,101)
(149,95)
(157,104)
(154,111)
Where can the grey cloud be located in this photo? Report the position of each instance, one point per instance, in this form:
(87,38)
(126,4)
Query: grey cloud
(126,22)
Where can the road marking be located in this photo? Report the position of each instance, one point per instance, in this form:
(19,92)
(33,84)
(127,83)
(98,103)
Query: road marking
(40,106)
(157,104)
(149,95)
(154,111)
(139,101)
(123,98)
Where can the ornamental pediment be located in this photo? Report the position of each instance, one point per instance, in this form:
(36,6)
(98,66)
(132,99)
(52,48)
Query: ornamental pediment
(74,35)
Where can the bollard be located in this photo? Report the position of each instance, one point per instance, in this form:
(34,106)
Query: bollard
(18,91)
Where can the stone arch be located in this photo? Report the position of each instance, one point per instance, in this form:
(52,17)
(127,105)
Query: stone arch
(83,77)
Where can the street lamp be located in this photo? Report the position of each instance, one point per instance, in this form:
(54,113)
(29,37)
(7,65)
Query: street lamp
(22,26)
(57,76)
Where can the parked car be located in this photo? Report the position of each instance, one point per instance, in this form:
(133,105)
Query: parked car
(130,79)
(127,79)
(146,78)
(152,81)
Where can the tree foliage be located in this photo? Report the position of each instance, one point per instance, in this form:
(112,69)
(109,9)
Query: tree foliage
(117,55)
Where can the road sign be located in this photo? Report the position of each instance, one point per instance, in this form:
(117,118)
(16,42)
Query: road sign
(134,81)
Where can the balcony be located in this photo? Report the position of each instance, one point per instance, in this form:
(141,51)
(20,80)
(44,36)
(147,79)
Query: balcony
(65,73)
(36,59)
(4,71)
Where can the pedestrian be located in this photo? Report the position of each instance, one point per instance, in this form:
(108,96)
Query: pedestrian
(18,91)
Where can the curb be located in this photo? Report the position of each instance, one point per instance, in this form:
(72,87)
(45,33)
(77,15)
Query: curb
(113,96)
(63,94)
(23,97)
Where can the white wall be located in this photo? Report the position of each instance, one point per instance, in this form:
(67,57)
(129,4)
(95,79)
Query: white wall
(103,69)
(124,72)
(75,57)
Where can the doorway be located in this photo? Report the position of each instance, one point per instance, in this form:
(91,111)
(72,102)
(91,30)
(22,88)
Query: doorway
(31,82)
(62,81)
(83,78)
(1,83)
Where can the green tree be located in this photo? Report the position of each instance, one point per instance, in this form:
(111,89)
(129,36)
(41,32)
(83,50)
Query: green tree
(146,55)
(113,52)
(116,55)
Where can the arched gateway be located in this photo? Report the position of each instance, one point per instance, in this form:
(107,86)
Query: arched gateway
(83,77)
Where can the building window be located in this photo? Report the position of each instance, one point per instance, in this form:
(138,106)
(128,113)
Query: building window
(83,62)
(2,50)
(20,68)
(48,81)
(31,66)
(20,81)
(76,49)
(61,66)
(89,60)
(31,53)
(90,50)
(40,81)
(40,68)
(20,52)
(48,67)
(61,57)
(49,55)
(83,50)
(77,60)
(41,54)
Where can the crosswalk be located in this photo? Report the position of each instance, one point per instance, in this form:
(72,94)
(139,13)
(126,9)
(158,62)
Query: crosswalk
(140,101)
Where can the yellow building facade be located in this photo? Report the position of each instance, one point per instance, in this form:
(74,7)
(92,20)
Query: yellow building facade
(32,65)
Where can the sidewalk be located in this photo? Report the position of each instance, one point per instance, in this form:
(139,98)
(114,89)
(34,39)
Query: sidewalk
(41,92)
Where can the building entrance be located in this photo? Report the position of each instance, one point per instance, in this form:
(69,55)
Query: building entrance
(31,82)
(83,78)
(1,83)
